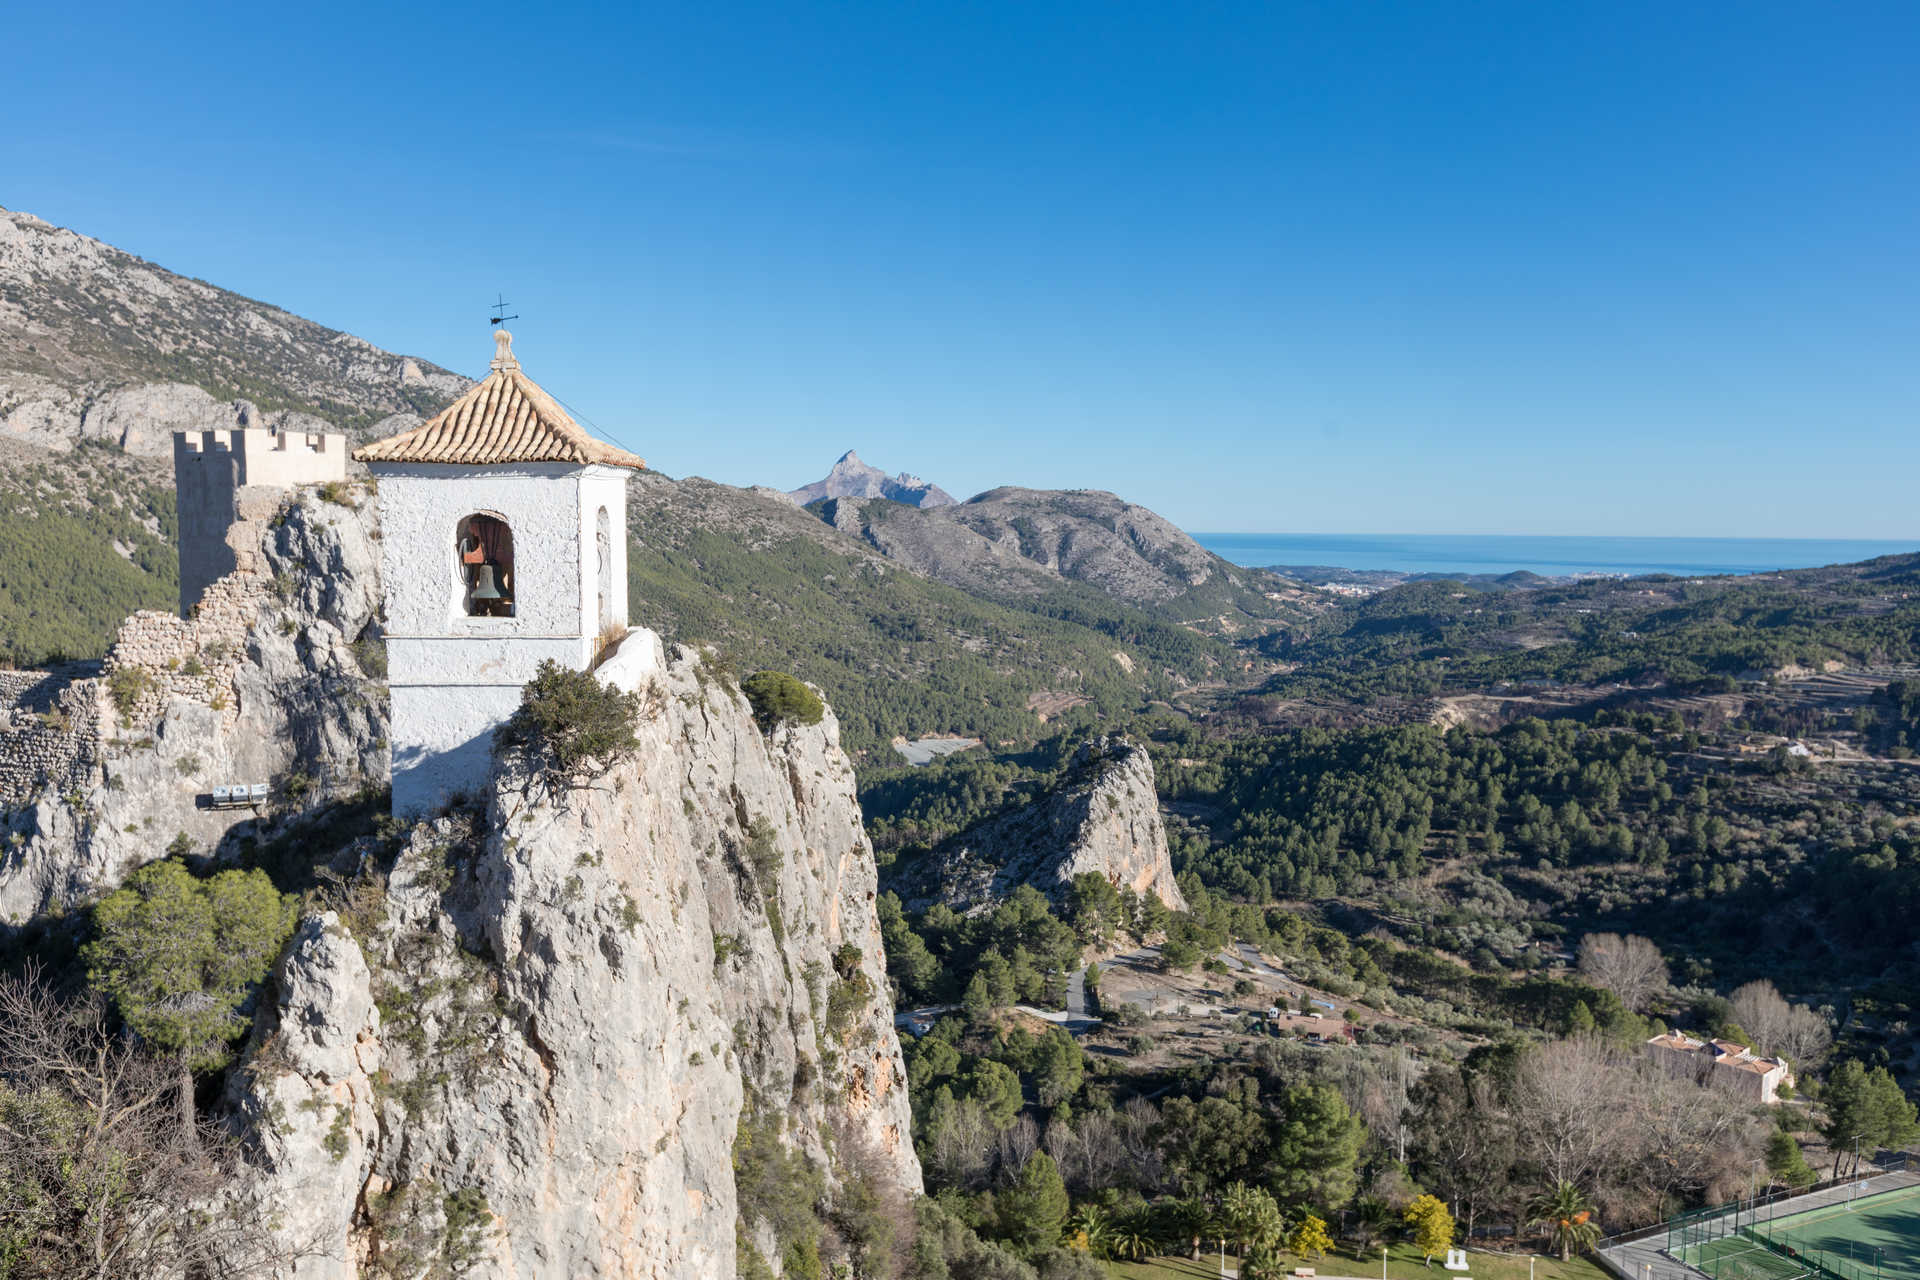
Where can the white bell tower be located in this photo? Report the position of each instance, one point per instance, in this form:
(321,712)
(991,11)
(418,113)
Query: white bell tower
(504,543)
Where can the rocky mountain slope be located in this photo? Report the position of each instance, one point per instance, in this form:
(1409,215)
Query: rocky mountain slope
(1013,542)
(269,683)
(556,1037)
(552,1042)
(896,652)
(852,478)
(96,344)
(1104,817)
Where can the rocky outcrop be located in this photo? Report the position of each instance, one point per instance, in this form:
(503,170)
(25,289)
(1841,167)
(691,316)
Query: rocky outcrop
(852,478)
(267,683)
(1104,817)
(571,1009)
(98,344)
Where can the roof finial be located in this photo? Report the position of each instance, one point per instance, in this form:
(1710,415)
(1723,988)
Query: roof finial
(503,351)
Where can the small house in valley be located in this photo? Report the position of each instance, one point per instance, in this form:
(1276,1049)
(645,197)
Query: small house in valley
(1720,1064)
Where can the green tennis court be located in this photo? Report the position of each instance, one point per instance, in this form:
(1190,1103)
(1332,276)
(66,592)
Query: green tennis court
(1874,1236)
(1738,1258)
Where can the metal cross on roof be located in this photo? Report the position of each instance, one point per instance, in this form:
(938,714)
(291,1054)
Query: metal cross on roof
(500,310)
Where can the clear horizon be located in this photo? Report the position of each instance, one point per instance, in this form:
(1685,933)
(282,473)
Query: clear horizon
(1552,555)
(1525,270)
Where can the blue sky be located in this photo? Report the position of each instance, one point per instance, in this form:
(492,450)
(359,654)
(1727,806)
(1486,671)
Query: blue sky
(1394,267)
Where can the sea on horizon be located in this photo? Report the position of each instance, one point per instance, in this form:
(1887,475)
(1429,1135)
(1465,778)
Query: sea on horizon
(1551,556)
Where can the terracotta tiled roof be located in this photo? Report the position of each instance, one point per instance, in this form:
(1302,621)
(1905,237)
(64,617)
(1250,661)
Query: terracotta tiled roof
(1675,1040)
(507,418)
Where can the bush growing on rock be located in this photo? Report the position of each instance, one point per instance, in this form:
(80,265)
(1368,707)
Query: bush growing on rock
(127,685)
(777,697)
(571,722)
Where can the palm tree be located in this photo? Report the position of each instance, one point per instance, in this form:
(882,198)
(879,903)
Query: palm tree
(1372,1219)
(1567,1215)
(1248,1215)
(1090,1229)
(1131,1242)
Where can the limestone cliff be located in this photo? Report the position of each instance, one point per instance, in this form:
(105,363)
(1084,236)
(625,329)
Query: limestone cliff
(265,684)
(1104,817)
(533,1048)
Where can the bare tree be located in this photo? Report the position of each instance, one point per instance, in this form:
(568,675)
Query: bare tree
(1561,1095)
(1684,1139)
(1018,1142)
(1382,1103)
(1793,1031)
(962,1140)
(1630,967)
(1806,1038)
(103,1177)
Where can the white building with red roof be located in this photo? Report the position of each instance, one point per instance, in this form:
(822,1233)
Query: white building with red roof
(1721,1064)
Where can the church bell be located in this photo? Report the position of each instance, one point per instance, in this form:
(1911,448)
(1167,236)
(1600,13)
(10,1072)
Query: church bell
(483,584)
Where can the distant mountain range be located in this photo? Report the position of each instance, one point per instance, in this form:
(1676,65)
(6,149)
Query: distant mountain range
(852,478)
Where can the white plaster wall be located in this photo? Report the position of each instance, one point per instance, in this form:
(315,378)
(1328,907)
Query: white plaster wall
(454,677)
(447,747)
(287,458)
(479,660)
(603,487)
(637,659)
(421,507)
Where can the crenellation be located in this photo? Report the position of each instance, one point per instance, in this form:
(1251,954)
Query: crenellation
(226,479)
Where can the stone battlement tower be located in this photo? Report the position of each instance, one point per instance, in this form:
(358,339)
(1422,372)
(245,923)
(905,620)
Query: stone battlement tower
(504,544)
(228,482)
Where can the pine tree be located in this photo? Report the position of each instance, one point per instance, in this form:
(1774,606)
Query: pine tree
(1033,1210)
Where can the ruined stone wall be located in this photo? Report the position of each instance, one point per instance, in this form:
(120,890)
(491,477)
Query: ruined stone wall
(158,657)
(49,732)
(264,683)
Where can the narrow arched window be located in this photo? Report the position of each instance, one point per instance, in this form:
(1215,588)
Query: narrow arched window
(485,545)
(603,562)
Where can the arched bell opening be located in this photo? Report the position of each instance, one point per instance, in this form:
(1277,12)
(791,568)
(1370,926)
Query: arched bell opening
(484,543)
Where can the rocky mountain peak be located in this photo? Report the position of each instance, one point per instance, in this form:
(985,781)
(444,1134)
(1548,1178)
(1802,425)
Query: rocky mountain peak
(852,478)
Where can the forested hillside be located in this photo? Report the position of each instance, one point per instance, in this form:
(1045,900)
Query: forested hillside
(1431,637)
(85,539)
(897,654)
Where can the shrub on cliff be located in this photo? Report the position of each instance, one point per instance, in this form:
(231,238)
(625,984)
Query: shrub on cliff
(777,696)
(179,956)
(571,722)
